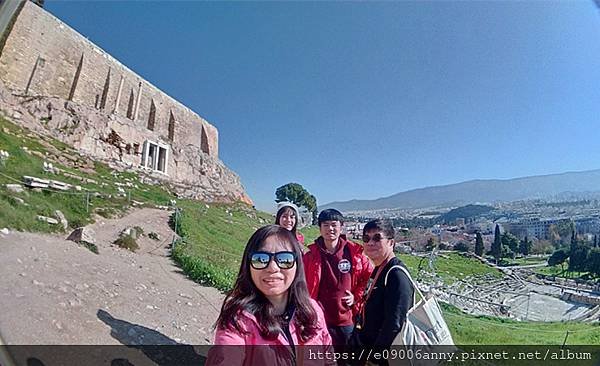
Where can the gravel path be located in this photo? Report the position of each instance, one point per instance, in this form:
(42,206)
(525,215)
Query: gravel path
(54,291)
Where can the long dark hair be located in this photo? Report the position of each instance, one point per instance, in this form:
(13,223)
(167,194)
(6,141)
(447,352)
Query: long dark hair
(285,209)
(246,297)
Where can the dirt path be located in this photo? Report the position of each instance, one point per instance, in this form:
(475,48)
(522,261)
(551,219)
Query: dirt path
(53,291)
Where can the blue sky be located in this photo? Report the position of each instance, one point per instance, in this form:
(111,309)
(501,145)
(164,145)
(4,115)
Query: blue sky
(364,100)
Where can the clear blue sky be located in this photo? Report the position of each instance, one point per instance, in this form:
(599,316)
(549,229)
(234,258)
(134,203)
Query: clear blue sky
(364,100)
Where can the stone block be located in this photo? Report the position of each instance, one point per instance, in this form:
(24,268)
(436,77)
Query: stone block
(83,234)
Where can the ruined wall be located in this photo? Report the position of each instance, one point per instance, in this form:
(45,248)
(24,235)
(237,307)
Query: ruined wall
(44,56)
(66,82)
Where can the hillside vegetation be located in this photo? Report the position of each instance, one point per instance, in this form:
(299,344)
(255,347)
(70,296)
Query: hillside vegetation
(103,191)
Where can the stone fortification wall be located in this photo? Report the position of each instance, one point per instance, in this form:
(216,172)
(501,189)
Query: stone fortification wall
(64,85)
(43,56)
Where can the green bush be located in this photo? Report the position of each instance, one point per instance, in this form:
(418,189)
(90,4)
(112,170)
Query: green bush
(127,242)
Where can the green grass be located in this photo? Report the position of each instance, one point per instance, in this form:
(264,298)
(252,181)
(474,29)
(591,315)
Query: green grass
(450,267)
(558,272)
(311,233)
(73,204)
(469,329)
(127,242)
(524,261)
(215,236)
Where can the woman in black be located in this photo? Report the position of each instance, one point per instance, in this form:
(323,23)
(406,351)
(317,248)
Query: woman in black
(389,293)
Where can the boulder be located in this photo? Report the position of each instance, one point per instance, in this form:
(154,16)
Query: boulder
(130,231)
(49,220)
(61,217)
(16,188)
(83,234)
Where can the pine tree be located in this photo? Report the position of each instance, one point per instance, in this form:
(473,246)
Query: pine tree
(479,244)
(525,246)
(497,245)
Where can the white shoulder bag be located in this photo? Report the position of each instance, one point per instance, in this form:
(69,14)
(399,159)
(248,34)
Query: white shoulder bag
(424,325)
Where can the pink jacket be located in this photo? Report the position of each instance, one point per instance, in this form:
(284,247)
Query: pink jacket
(265,351)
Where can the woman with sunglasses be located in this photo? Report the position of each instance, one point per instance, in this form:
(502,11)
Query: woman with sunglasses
(269,305)
(388,296)
(287,217)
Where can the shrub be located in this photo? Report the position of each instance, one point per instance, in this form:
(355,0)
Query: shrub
(127,242)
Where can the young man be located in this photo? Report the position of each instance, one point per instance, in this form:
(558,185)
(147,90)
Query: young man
(336,274)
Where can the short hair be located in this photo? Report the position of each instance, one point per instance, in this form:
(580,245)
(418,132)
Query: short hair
(331,214)
(382,225)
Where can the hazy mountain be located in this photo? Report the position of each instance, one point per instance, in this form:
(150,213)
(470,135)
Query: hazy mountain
(480,191)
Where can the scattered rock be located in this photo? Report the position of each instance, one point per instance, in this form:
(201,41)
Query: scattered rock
(5,231)
(83,234)
(49,220)
(15,188)
(63,220)
(20,201)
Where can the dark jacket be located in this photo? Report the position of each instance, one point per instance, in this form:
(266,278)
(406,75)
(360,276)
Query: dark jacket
(386,308)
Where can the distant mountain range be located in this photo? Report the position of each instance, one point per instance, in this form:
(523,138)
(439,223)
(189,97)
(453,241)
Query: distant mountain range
(480,191)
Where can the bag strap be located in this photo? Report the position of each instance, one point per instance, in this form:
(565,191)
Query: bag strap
(413,283)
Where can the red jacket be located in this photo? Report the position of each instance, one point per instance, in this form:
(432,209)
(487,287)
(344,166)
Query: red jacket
(361,271)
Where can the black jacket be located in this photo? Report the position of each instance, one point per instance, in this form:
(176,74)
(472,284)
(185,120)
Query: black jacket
(386,308)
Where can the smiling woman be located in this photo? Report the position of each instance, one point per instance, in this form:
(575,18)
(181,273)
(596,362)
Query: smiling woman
(269,305)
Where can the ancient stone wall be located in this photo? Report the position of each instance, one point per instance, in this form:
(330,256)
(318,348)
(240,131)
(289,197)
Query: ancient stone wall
(43,56)
(80,94)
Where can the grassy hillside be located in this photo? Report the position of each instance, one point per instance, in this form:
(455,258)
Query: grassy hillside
(450,267)
(28,152)
(469,329)
(214,239)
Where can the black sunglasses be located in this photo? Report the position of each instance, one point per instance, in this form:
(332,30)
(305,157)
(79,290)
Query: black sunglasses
(261,260)
(376,238)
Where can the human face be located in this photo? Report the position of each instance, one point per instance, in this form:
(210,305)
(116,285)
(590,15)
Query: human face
(288,219)
(330,230)
(273,281)
(378,250)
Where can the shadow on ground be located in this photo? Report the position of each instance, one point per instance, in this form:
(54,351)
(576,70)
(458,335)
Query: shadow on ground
(159,348)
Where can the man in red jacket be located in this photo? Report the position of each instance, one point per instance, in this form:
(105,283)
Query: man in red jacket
(337,272)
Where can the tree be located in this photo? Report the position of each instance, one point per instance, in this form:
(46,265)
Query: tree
(497,244)
(461,247)
(430,245)
(593,263)
(478,244)
(573,239)
(558,257)
(578,257)
(510,241)
(525,246)
(295,193)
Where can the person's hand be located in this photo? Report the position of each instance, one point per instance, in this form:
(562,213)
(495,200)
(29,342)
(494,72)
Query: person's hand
(348,299)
